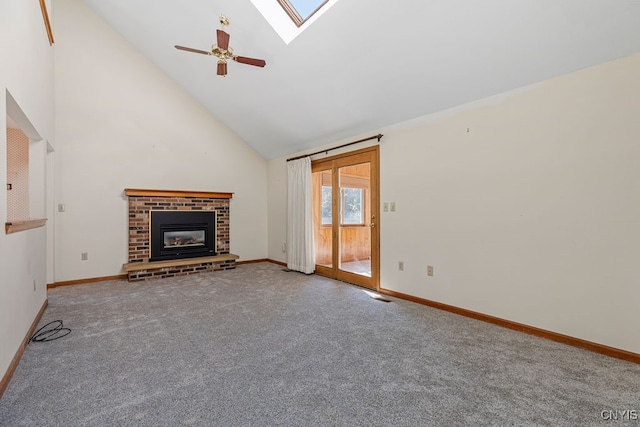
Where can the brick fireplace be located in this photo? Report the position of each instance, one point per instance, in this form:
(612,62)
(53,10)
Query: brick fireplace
(141,205)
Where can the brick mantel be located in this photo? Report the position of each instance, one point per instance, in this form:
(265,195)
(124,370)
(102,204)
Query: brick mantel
(142,202)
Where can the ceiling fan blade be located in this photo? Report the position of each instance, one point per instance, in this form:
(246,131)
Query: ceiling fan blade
(222,68)
(189,49)
(223,40)
(250,61)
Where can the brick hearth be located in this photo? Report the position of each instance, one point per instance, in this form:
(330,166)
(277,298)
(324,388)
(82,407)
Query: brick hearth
(142,202)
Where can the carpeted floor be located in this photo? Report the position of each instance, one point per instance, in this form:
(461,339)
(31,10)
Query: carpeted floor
(258,346)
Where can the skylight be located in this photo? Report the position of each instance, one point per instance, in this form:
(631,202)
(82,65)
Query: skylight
(289,18)
(301,10)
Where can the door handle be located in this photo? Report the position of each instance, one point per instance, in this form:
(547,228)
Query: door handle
(372,225)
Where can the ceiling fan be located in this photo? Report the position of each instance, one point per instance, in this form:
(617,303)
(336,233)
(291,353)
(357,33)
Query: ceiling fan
(224,52)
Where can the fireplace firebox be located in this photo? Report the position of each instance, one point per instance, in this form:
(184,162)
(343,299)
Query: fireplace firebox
(182,234)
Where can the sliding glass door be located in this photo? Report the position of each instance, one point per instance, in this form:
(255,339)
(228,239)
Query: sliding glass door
(346,203)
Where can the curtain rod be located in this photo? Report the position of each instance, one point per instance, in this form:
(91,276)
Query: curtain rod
(378,136)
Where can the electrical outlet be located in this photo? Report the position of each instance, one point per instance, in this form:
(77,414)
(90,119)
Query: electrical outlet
(284,247)
(84,256)
(429,270)
(401,265)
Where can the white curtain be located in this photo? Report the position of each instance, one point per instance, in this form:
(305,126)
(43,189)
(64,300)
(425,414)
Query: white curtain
(300,248)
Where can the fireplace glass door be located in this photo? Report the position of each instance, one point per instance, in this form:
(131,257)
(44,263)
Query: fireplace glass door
(182,239)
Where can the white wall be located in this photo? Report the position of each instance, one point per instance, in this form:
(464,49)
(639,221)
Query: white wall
(532,215)
(121,123)
(26,94)
(277,211)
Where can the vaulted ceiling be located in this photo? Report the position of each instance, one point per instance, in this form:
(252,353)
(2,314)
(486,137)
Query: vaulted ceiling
(364,65)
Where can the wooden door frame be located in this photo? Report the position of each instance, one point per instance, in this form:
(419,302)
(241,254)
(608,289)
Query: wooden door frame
(365,155)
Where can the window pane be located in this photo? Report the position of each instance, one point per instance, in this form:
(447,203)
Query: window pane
(306,7)
(326,205)
(352,212)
